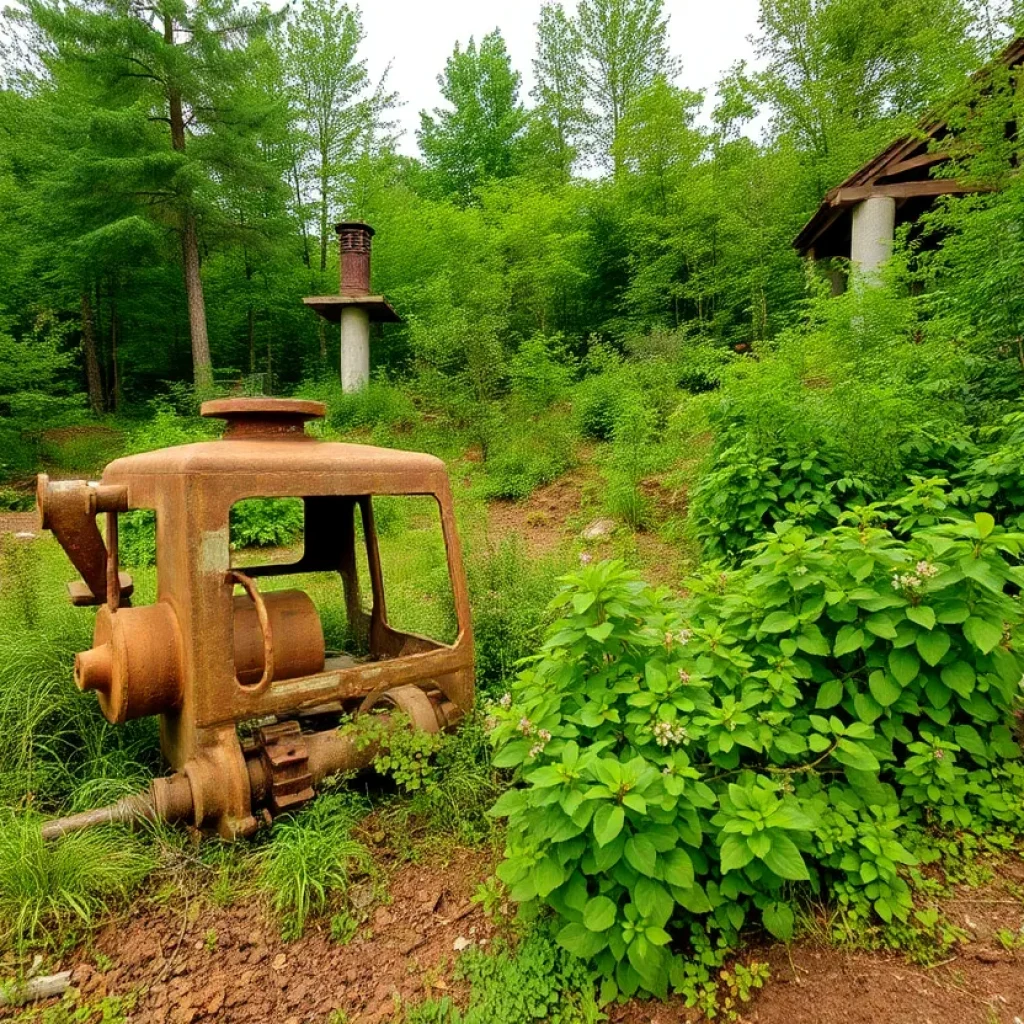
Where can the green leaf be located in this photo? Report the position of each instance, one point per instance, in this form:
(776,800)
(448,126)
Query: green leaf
(511,801)
(779,919)
(855,755)
(904,665)
(785,859)
(883,689)
(653,901)
(600,633)
(922,615)
(812,641)
(830,694)
(985,635)
(548,875)
(959,677)
(881,625)
(512,754)
(985,523)
(778,622)
(933,646)
(641,854)
(599,914)
(581,941)
(735,853)
(608,819)
(677,868)
(848,639)
(867,708)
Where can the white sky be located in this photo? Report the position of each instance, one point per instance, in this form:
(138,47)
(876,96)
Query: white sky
(418,35)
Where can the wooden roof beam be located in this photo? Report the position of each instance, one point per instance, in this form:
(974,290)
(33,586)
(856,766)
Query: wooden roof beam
(849,196)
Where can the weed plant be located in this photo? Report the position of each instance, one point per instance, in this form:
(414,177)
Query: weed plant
(311,858)
(534,980)
(509,593)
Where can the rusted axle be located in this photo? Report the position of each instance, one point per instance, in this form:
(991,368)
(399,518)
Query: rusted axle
(283,767)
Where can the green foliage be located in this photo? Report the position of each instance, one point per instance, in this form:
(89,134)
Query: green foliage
(311,858)
(477,138)
(56,749)
(536,980)
(266,522)
(136,538)
(995,478)
(20,567)
(526,455)
(634,456)
(377,405)
(447,777)
(687,765)
(843,410)
(50,887)
(532,981)
(509,593)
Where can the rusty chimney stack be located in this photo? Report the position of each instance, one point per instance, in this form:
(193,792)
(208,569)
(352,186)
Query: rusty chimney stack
(354,308)
(355,240)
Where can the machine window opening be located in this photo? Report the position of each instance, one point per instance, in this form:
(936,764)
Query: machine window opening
(414,567)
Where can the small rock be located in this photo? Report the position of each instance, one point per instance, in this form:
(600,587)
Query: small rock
(461,943)
(989,956)
(383,918)
(599,528)
(279,961)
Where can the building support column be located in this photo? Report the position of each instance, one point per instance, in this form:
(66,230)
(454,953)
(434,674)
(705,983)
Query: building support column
(355,348)
(874,231)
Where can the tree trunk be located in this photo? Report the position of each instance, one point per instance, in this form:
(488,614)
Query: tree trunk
(324,185)
(115,331)
(94,381)
(202,365)
(301,216)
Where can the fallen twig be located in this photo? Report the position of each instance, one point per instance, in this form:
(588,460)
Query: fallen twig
(15,993)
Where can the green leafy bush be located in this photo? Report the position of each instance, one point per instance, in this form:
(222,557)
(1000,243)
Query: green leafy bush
(534,981)
(378,404)
(996,477)
(136,538)
(266,522)
(688,764)
(541,371)
(634,455)
(742,496)
(509,592)
(526,456)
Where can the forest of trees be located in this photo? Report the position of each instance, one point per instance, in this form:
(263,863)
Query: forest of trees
(170,175)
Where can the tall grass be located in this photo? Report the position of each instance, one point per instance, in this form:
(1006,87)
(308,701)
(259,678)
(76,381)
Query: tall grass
(56,749)
(311,858)
(47,888)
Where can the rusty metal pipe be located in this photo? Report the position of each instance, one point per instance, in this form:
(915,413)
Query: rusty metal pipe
(138,807)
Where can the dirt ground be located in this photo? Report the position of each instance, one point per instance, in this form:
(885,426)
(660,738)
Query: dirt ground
(197,962)
(555,516)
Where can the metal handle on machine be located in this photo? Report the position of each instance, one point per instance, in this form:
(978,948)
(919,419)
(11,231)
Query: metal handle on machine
(248,584)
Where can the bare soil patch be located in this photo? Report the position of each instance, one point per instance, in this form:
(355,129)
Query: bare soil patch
(549,518)
(204,963)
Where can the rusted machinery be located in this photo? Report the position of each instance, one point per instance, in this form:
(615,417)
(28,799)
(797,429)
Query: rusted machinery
(214,653)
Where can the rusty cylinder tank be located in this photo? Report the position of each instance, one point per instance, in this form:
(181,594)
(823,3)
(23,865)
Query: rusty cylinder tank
(295,626)
(135,662)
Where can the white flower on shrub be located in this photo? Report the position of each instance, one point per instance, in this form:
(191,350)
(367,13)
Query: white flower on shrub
(669,732)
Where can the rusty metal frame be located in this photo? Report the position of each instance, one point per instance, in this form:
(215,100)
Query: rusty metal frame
(191,488)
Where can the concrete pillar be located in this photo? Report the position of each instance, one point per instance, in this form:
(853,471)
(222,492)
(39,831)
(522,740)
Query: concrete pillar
(355,348)
(874,229)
